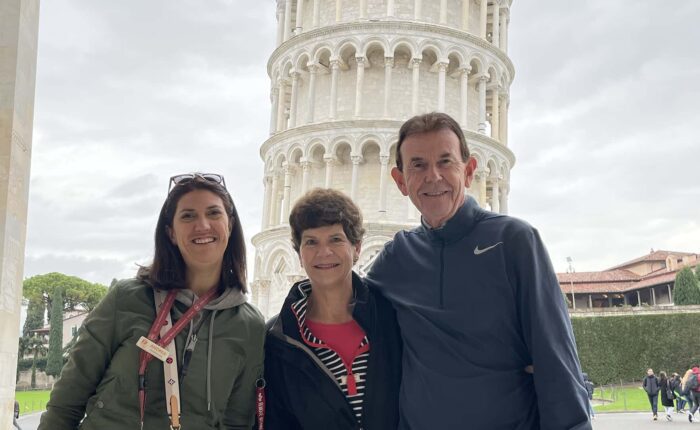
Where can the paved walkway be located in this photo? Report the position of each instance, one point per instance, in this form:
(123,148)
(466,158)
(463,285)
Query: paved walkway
(641,421)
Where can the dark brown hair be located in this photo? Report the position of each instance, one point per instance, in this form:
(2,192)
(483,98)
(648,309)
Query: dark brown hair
(168,270)
(324,206)
(433,121)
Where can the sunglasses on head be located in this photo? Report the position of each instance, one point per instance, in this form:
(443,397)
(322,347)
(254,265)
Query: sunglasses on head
(186,177)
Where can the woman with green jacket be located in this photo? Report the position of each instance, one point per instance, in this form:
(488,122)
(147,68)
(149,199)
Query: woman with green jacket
(178,345)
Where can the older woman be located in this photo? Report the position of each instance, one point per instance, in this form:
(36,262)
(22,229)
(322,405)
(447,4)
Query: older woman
(188,310)
(333,354)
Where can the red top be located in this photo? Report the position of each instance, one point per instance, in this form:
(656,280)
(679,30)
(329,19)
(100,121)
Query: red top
(343,338)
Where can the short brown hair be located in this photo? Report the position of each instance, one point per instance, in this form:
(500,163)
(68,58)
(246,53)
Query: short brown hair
(324,206)
(433,121)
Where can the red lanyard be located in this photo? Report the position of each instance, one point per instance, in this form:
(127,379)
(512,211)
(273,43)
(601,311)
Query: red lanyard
(153,335)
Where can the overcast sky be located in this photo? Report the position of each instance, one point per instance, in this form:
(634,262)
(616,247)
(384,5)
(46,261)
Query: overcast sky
(603,122)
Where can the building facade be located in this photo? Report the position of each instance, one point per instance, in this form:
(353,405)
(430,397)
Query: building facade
(344,76)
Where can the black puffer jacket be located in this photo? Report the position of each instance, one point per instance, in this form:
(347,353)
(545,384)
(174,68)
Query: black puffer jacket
(301,395)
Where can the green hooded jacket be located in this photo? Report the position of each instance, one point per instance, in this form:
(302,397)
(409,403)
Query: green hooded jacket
(98,387)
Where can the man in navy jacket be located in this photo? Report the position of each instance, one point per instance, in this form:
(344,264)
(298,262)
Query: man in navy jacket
(487,338)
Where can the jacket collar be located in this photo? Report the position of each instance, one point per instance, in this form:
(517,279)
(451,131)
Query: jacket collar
(460,225)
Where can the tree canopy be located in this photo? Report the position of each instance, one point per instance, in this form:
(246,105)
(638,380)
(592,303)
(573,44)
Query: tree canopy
(686,290)
(77,293)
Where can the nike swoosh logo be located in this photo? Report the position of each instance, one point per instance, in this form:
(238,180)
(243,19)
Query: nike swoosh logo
(478,251)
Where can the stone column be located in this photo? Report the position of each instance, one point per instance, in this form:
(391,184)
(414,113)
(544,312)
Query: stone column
(443,12)
(383,176)
(338,7)
(267,185)
(415,63)
(495,113)
(333,102)
(418,10)
(363,9)
(388,66)
(313,71)
(19,23)
(496,24)
(305,167)
(293,103)
(358,85)
(464,95)
(356,160)
(275,95)
(670,294)
(287,20)
(504,196)
(482,103)
(442,68)
(288,170)
(503,117)
(495,199)
(465,14)
(274,201)
(299,27)
(330,162)
(280,24)
(483,18)
(481,176)
(390,9)
(504,30)
(281,102)
(316,14)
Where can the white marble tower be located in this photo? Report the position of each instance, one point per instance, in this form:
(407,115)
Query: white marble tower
(345,75)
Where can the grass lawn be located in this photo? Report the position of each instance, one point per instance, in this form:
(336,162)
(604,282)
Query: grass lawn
(630,398)
(32,401)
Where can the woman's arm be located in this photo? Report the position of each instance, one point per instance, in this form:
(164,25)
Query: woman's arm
(86,365)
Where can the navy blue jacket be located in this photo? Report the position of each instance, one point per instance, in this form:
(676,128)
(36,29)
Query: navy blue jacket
(477,301)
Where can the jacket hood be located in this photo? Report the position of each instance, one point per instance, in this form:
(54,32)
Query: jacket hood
(229,298)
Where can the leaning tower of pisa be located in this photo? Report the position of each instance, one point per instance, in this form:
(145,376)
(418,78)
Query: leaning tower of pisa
(344,76)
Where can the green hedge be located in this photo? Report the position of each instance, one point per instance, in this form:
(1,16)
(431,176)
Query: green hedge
(26,364)
(622,348)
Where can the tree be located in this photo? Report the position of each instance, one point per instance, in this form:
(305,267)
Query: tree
(77,293)
(35,316)
(54,361)
(36,345)
(697,272)
(686,290)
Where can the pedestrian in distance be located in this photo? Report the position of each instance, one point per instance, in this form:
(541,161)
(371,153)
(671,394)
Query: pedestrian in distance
(589,389)
(686,390)
(667,395)
(188,310)
(693,389)
(676,387)
(650,383)
(15,416)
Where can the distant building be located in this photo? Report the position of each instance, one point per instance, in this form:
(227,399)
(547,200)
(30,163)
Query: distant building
(647,280)
(72,320)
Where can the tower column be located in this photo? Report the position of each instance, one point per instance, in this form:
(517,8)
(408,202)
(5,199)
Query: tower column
(356,160)
(281,101)
(415,63)
(287,19)
(504,197)
(335,66)
(330,162)
(482,103)
(496,24)
(390,9)
(388,66)
(288,170)
(275,95)
(299,27)
(280,26)
(503,118)
(464,95)
(418,10)
(305,167)
(338,6)
(443,12)
(313,71)
(481,176)
(316,14)
(495,199)
(483,13)
(293,103)
(267,185)
(504,30)
(383,176)
(465,14)
(359,83)
(495,112)
(363,9)
(442,69)
(274,201)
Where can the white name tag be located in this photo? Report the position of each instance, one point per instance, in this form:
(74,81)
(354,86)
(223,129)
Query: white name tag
(152,348)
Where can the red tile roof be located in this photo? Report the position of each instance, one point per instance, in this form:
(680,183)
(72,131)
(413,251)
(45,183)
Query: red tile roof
(652,256)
